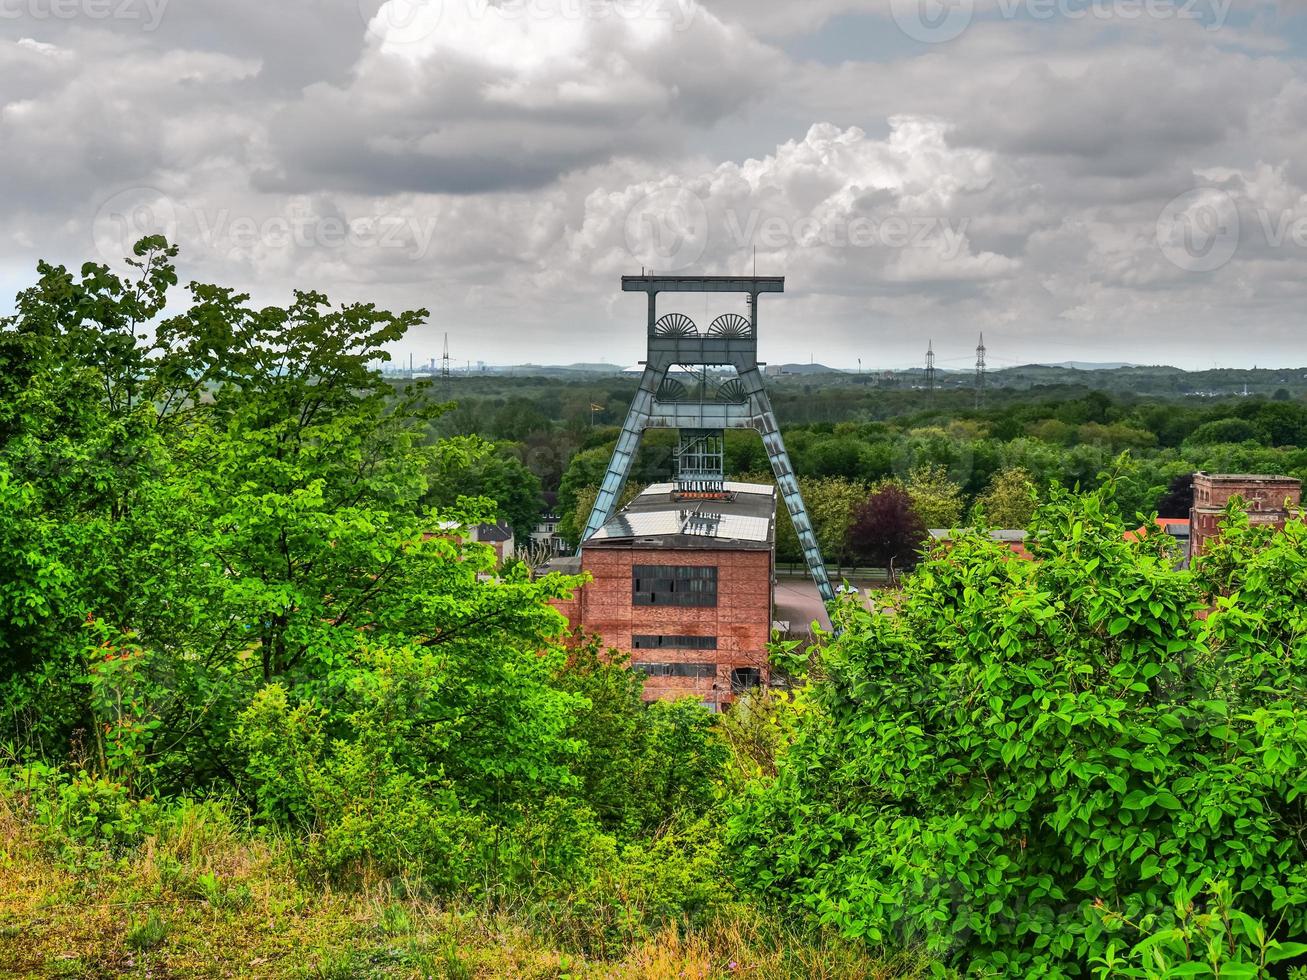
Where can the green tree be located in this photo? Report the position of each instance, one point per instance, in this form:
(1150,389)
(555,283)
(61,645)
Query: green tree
(242,498)
(490,474)
(1009,502)
(936,499)
(1228,430)
(831,502)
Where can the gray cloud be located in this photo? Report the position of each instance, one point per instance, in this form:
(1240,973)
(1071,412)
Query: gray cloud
(495,171)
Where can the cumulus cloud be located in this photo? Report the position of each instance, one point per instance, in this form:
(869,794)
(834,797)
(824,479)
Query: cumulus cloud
(840,212)
(485,97)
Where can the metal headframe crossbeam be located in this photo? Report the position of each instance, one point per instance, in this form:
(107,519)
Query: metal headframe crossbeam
(703,284)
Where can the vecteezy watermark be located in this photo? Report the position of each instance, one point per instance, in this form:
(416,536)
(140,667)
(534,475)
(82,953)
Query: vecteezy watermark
(1202,230)
(670,229)
(773,232)
(147,13)
(133,214)
(1198,231)
(937,21)
(667,230)
(130,215)
(402,21)
(412,21)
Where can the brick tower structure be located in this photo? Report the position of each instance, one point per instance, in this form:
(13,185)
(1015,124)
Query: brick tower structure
(1267,499)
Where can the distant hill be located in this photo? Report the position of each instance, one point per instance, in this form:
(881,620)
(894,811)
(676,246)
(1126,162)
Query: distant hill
(1079,365)
(556,370)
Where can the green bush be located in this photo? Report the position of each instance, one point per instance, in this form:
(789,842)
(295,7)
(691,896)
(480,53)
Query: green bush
(81,814)
(371,801)
(639,766)
(592,893)
(1212,941)
(1026,755)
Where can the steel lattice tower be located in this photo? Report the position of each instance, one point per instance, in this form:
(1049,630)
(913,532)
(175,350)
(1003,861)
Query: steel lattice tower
(740,403)
(980,371)
(444,362)
(930,366)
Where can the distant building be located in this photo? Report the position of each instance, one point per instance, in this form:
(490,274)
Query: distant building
(684,583)
(1267,500)
(545,535)
(498,536)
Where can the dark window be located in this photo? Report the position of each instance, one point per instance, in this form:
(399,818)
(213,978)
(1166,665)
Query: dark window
(674,585)
(674,642)
(745,679)
(677,670)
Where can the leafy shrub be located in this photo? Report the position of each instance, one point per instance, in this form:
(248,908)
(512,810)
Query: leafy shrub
(1023,742)
(592,894)
(81,813)
(1218,942)
(638,765)
(369,801)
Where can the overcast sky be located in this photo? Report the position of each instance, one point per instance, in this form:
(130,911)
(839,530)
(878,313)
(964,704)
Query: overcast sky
(1104,180)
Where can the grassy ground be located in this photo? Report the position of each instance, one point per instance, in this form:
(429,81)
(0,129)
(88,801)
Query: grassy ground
(200,901)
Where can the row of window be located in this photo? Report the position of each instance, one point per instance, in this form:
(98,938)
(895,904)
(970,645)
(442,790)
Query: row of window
(674,585)
(674,643)
(677,670)
(742,678)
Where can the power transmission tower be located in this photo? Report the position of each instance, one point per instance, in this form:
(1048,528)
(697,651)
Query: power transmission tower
(980,371)
(445,372)
(930,366)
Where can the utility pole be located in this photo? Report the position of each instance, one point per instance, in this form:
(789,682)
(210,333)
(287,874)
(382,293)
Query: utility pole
(930,367)
(980,371)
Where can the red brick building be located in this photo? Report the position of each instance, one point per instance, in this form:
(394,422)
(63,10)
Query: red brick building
(1267,499)
(685,585)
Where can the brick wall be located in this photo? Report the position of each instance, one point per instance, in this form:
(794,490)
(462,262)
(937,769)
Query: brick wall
(1267,500)
(741,620)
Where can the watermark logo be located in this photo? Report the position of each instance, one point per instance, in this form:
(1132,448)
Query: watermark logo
(135,213)
(146,13)
(943,236)
(932,21)
(667,230)
(1199,230)
(402,21)
(670,230)
(131,215)
(938,21)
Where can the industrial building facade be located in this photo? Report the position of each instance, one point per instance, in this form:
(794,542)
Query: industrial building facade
(684,585)
(1266,500)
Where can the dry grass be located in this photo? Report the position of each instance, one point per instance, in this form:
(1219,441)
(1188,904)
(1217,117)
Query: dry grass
(198,900)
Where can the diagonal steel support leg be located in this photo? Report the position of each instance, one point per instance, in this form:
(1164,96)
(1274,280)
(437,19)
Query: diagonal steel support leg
(764,420)
(628,444)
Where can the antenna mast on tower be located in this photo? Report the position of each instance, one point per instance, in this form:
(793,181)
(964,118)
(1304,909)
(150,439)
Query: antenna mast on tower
(980,371)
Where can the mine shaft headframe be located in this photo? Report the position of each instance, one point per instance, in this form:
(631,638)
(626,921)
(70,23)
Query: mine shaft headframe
(660,402)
